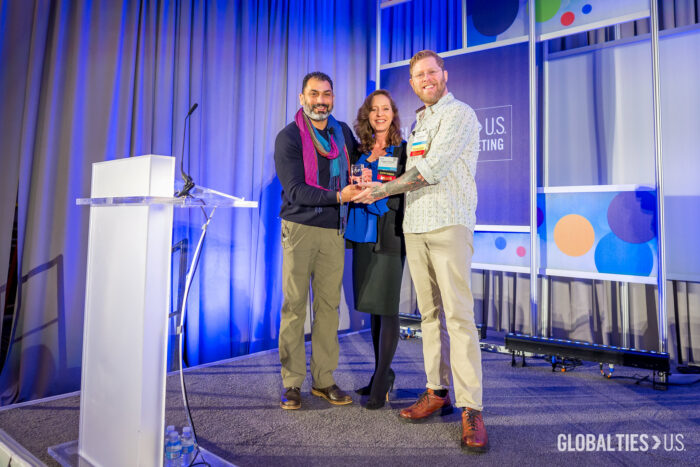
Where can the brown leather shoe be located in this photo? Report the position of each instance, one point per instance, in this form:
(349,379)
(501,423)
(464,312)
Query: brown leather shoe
(291,399)
(332,394)
(474,437)
(427,404)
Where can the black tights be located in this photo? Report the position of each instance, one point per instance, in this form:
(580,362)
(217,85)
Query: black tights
(385,338)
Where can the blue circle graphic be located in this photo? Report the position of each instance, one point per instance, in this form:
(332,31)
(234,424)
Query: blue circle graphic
(492,17)
(500,243)
(586,8)
(615,256)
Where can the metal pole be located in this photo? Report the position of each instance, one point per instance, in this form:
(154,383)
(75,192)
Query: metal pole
(545,307)
(379,45)
(625,313)
(534,266)
(545,115)
(546,303)
(660,221)
(464,24)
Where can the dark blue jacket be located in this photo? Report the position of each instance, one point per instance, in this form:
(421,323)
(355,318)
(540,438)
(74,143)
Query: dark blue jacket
(299,200)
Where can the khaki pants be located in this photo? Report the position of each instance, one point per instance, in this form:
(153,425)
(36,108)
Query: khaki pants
(316,254)
(440,265)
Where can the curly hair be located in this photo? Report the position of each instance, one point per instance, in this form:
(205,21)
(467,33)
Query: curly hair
(364,130)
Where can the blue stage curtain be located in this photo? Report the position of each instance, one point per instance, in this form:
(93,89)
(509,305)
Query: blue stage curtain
(88,81)
(421,24)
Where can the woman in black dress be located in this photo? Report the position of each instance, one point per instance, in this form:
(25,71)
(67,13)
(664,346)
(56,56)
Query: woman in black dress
(377,239)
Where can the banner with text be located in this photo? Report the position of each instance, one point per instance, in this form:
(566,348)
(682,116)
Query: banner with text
(495,84)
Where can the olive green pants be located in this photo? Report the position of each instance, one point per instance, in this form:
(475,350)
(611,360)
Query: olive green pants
(316,255)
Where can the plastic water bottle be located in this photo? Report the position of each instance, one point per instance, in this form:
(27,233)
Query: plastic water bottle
(166,437)
(173,450)
(187,441)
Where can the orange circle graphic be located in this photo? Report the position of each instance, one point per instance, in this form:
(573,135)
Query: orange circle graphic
(574,235)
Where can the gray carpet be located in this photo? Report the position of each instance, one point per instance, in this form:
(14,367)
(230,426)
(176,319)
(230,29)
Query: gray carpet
(237,415)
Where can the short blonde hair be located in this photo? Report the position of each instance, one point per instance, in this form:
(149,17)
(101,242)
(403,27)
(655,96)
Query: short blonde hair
(425,54)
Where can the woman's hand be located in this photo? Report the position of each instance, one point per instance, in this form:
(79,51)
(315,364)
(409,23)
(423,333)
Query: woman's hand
(366,175)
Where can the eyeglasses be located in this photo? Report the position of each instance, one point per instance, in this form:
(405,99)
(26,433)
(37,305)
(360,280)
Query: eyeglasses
(430,73)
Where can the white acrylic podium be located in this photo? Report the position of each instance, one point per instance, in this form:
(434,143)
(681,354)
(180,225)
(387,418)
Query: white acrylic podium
(127,294)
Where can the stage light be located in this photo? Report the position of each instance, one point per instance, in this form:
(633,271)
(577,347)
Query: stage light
(647,359)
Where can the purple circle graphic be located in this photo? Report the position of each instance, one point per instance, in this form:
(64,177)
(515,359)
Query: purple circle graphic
(632,216)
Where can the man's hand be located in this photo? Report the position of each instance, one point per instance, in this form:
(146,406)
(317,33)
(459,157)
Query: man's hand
(349,192)
(374,191)
(371,192)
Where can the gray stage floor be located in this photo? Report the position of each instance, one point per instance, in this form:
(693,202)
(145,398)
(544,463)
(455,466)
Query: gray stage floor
(527,410)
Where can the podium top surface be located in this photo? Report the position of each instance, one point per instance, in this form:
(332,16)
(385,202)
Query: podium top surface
(199,196)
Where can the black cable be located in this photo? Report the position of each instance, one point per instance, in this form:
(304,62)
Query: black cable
(564,364)
(187,405)
(637,378)
(199,454)
(194,432)
(181,343)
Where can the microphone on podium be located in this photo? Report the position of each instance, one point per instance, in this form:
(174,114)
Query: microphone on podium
(189,183)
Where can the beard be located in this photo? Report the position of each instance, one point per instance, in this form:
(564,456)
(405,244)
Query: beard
(433,98)
(314,113)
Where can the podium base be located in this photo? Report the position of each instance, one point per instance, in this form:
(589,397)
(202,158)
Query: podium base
(67,455)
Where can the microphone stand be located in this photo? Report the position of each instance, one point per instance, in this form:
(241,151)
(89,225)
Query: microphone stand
(189,183)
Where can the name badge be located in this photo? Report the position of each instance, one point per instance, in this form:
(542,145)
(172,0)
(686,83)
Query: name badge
(420,135)
(386,168)
(388,163)
(419,144)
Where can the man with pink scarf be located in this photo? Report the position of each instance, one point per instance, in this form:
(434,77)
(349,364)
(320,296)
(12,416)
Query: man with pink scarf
(312,160)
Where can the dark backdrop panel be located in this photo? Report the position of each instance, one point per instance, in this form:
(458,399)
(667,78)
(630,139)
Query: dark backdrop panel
(495,84)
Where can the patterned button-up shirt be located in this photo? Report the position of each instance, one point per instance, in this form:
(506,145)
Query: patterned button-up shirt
(451,131)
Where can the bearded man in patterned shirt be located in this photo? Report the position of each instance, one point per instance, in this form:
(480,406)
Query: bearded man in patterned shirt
(438,227)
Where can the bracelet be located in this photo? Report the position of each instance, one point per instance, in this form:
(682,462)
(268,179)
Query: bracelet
(339,197)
